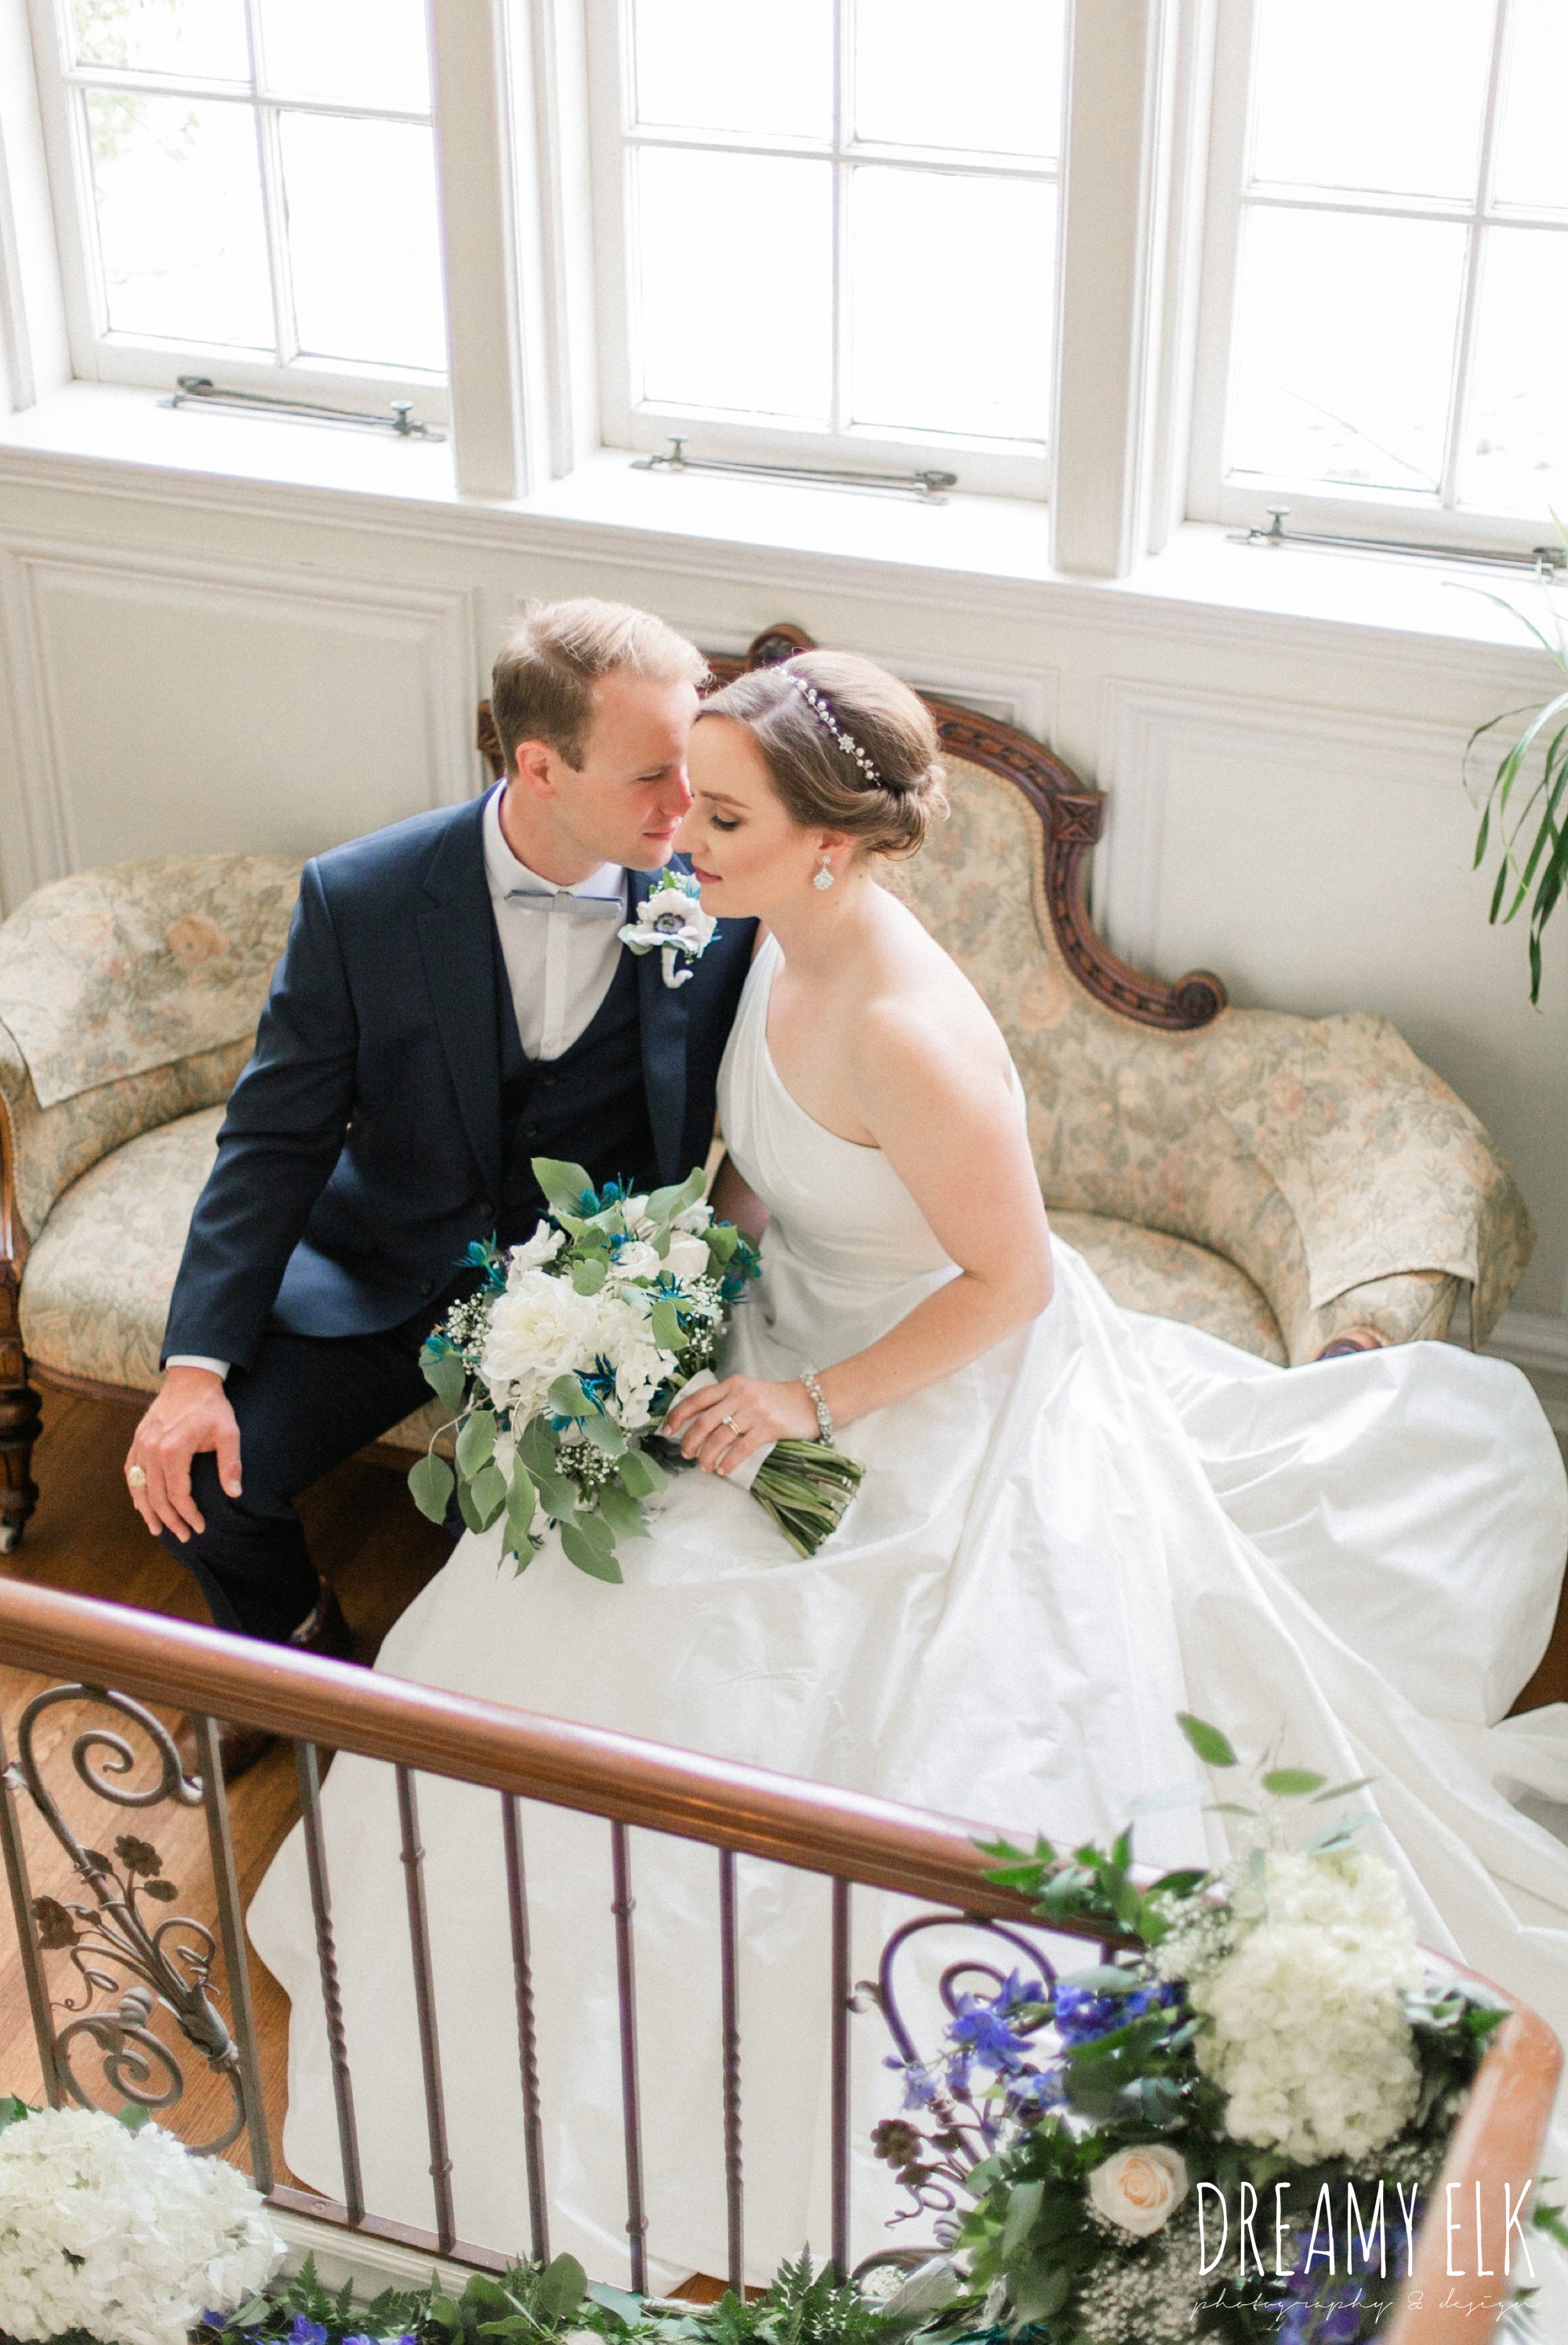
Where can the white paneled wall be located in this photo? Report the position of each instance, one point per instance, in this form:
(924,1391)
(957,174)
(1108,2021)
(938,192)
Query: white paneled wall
(189,664)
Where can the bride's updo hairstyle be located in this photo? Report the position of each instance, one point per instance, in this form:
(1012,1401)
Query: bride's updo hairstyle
(884,789)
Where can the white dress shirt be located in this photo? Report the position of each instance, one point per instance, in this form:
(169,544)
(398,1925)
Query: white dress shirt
(561,965)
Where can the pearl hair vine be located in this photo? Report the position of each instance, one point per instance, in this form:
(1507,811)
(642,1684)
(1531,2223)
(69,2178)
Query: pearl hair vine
(827,717)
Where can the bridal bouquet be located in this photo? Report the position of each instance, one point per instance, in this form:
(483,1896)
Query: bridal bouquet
(117,2236)
(571,1355)
(1232,2127)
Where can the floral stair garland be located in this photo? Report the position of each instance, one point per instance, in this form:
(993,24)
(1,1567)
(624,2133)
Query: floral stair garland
(1265,2032)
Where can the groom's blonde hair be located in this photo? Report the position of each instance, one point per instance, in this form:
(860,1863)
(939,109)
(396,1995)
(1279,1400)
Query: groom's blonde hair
(541,687)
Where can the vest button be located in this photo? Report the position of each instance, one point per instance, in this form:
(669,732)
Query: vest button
(428,1287)
(484,1209)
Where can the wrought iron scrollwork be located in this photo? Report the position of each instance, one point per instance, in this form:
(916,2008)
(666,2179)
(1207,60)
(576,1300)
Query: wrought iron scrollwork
(118,1947)
(932,2161)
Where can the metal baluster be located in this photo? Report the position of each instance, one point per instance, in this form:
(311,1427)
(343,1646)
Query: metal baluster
(425,2001)
(729,1953)
(26,1939)
(306,1768)
(221,1844)
(527,2045)
(630,2108)
(840,2088)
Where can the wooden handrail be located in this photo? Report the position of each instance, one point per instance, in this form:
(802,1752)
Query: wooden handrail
(719,1801)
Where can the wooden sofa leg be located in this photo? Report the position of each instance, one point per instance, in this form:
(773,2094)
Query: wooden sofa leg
(20,1421)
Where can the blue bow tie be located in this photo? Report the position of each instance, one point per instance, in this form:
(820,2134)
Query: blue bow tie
(575,908)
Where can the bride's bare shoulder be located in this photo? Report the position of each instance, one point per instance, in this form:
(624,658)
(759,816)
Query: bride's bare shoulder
(921,1017)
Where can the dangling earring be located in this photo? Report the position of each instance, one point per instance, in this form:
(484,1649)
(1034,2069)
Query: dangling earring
(823,872)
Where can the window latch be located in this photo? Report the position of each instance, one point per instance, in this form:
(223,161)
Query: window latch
(927,488)
(1540,559)
(199,390)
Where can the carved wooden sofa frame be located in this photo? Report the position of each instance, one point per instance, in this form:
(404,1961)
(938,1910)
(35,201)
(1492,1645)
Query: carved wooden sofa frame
(1298,1186)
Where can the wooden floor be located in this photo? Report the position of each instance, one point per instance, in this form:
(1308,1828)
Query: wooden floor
(376,1550)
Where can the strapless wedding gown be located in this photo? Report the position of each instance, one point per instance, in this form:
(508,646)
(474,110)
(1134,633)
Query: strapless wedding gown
(1107,1518)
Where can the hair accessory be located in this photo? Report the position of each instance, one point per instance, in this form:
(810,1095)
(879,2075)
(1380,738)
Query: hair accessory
(824,1416)
(826,716)
(824,873)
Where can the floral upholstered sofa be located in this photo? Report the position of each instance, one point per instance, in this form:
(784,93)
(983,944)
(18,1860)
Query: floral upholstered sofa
(1291,1184)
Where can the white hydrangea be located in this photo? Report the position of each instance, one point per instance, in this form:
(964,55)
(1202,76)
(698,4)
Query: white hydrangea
(541,1328)
(626,1344)
(124,2234)
(1308,2037)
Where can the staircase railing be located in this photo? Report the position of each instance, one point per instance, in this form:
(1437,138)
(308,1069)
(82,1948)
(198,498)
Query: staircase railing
(138,1982)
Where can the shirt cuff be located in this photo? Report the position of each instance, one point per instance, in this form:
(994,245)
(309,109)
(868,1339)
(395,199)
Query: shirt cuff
(197,1360)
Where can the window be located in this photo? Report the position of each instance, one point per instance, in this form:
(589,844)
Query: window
(828,229)
(1386,294)
(245,187)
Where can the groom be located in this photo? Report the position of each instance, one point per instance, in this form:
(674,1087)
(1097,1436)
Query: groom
(453,1002)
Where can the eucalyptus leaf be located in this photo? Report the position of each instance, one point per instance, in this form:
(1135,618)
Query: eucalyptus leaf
(446,1375)
(561,1183)
(665,1322)
(521,1503)
(665,1203)
(567,1398)
(605,1435)
(621,1512)
(587,1554)
(560,1496)
(536,1447)
(476,1441)
(430,1486)
(589,1274)
(1211,1745)
(639,1475)
(1293,1783)
(561,2287)
(1022,2213)
(482,1499)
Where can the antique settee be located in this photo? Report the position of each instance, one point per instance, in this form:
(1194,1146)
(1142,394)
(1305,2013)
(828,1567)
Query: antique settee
(1292,1185)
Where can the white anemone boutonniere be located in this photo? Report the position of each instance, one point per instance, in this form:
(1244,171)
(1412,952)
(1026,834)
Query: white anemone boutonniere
(672,922)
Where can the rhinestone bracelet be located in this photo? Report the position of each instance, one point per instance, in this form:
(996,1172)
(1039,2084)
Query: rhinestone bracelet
(823,1415)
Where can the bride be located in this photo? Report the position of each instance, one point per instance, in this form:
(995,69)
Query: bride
(1075,1521)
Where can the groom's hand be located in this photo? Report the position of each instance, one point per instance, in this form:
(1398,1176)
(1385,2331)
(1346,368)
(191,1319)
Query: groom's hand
(190,1413)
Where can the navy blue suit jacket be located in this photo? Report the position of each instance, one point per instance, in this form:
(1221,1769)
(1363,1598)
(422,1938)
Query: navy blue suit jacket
(362,1150)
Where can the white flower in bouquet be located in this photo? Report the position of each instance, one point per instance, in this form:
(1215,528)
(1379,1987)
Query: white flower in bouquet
(1307,2034)
(542,1247)
(124,2234)
(695,1219)
(540,1328)
(641,1367)
(688,1255)
(641,1259)
(1139,2190)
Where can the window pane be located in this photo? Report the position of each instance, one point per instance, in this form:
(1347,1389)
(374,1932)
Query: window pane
(1515,459)
(322,49)
(1531,152)
(363,239)
(735,255)
(912,232)
(203,40)
(180,229)
(1344,346)
(763,66)
(986,76)
(1387,96)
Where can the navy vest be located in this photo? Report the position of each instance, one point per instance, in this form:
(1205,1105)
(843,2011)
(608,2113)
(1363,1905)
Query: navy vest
(589,1106)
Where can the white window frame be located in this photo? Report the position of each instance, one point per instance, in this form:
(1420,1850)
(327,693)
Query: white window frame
(1414,517)
(997,467)
(98,355)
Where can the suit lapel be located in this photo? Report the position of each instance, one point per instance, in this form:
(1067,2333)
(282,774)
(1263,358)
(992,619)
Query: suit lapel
(455,929)
(661,1018)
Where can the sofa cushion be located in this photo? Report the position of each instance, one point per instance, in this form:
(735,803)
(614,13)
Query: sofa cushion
(95,1295)
(1145,1270)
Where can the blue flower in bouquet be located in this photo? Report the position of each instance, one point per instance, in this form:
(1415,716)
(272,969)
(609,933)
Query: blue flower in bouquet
(306,2331)
(1082,2015)
(919,2085)
(1035,2094)
(981,2033)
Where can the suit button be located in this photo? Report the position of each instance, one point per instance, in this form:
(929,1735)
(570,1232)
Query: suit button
(428,1287)
(548,1082)
(484,1209)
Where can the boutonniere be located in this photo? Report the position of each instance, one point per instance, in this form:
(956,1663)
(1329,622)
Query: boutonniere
(671,921)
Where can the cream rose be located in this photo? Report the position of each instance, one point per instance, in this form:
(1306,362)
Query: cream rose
(1139,2190)
(637,1261)
(687,1258)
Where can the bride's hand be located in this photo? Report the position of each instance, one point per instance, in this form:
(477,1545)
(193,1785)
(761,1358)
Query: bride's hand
(722,1426)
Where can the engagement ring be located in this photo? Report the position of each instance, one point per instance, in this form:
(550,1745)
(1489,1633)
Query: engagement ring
(731,1423)
(136,1477)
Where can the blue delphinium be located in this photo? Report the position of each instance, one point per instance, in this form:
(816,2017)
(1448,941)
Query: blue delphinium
(1082,2015)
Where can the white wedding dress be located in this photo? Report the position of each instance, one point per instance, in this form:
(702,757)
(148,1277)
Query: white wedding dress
(1106,1519)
